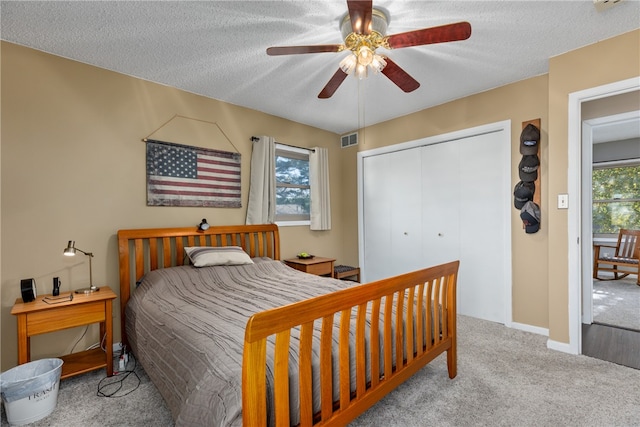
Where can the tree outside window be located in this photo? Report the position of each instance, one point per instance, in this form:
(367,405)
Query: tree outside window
(293,197)
(616,199)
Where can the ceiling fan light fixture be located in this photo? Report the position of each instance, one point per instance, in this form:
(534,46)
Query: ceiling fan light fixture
(361,71)
(365,55)
(378,63)
(348,63)
(356,65)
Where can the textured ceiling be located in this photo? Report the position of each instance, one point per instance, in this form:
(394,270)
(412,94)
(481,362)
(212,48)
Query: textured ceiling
(217,48)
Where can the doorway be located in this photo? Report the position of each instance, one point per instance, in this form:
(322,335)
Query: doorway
(612,165)
(611,308)
(598,340)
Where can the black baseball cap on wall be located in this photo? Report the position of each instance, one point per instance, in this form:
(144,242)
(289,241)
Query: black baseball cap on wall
(522,193)
(528,168)
(529,140)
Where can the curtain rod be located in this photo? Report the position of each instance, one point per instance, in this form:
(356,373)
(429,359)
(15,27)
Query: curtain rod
(255,138)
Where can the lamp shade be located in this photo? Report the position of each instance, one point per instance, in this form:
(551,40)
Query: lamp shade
(70,250)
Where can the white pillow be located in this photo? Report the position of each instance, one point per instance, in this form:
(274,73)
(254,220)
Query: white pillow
(205,256)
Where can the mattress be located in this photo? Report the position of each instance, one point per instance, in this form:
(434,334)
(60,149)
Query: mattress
(186,327)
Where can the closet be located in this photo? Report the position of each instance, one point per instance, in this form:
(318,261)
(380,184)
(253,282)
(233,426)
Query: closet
(439,199)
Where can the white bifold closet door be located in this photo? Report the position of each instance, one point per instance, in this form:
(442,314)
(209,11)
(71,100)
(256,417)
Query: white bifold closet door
(393,213)
(431,204)
(440,203)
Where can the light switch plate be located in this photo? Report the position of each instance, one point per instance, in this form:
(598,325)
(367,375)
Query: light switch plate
(563,201)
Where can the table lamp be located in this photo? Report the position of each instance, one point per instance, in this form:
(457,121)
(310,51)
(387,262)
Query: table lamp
(70,250)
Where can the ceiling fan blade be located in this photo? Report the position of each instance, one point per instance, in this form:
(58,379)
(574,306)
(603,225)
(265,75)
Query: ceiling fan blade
(294,50)
(444,33)
(360,15)
(400,77)
(333,85)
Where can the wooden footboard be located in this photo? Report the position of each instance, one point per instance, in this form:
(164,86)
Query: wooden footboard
(423,302)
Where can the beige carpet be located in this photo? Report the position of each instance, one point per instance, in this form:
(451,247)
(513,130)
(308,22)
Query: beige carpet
(505,377)
(508,377)
(617,302)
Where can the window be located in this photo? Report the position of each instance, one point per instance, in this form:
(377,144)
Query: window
(616,197)
(293,196)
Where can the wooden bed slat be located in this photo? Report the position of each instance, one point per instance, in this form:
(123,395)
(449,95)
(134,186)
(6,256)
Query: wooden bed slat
(281,378)
(361,365)
(444,304)
(179,251)
(429,317)
(305,374)
(252,244)
(452,354)
(399,330)
(153,254)
(374,339)
(166,251)
(409,332)
(139,259)
(388,347)
(345,380)
(253,409)
(436,312)
(326,368)
(420,313)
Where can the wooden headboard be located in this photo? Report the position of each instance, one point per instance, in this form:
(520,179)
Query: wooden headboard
(147,249)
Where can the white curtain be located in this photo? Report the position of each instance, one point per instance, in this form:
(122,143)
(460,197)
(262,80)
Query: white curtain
(261,208)
(319,182)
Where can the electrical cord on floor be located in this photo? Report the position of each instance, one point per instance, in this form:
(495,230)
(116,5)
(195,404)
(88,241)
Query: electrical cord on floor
(113,386)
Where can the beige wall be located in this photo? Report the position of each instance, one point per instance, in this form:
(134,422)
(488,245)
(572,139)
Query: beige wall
(609,61)
(517,102)
(612,105)
(73,167)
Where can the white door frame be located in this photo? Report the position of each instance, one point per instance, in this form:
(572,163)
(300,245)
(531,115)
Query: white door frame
(574,187)
(588,127)
(503,126)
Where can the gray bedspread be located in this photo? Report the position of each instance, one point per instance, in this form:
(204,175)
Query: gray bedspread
(186,327)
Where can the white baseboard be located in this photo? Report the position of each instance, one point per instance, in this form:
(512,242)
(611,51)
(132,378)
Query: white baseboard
(117,346)
(530,328)
(560,346)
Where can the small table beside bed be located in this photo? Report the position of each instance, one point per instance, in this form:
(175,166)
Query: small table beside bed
(244,339)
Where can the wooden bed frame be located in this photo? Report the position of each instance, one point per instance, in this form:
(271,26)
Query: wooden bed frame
(144,250)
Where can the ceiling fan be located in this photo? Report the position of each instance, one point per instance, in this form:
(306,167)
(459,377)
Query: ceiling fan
(364,30)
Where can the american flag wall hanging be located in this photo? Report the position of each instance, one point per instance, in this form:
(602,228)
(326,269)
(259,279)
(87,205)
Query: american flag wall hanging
(181,175)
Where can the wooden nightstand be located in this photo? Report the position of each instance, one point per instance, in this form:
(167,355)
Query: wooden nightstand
(316,265)
(38,317)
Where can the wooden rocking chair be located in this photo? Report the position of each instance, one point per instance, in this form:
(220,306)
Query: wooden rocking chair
(625,260)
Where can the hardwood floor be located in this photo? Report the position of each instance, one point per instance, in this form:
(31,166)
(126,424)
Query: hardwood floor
(617,345)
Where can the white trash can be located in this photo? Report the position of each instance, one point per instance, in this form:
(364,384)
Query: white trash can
(30,391)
